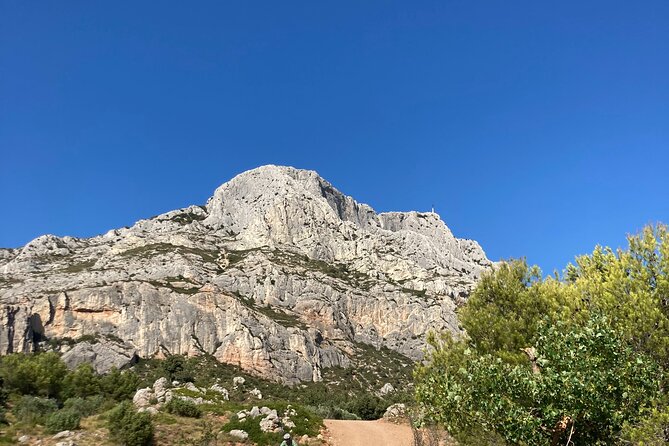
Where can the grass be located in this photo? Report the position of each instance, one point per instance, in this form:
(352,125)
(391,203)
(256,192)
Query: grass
(9,281)
(78,267)
(187,218)
(155,249)
(173,284)
(281,318)
(338,271)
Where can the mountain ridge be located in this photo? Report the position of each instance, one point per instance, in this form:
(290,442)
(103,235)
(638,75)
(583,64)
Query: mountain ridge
(279,273)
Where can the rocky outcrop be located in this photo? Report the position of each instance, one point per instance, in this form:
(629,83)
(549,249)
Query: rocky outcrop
(104,355)
(279,273)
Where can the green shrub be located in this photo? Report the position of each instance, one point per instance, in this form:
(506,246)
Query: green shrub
(128,427)
(119,385)
(177,368)
(306,423)
(86,406)
(63,420)
(34,374)
(334,413)
(184,408)
(34,410)
(81,382)
(653,430)
(367,407)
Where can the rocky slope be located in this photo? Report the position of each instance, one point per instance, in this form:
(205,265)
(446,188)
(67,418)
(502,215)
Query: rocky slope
(279,273)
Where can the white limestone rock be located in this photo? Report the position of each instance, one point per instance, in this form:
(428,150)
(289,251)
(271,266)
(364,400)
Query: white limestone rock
(223,391)
(256,393)
(238,433)
(143,397)
(397,410)
(63,434)
(192,281)
(386,389)
(103,355)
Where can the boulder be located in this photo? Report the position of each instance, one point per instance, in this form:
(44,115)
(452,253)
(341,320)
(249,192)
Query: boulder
(238,433)
(103,355)
(143,397)
(219,389)
(62,434)
(397,410)
(271,422)
(386,389)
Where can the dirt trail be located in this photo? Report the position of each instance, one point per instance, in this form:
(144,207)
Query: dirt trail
(368,433)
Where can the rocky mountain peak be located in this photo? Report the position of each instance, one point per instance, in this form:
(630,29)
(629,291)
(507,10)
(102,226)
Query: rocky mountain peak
(280,273)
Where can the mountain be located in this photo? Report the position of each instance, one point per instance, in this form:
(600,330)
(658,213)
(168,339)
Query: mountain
(280,274)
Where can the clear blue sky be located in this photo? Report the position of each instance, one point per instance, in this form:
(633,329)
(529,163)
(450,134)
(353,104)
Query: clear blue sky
(537,128)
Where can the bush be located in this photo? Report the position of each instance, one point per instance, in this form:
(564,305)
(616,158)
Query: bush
(35,374)
(184,408)
(63,420)
(85,406)
(177,368)
(334,413)
(34,410)
(653,430)
(119,385)
(367,407)
(129,427)
(81,382)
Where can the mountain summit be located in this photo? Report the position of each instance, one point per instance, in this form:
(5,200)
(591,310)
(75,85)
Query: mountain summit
(280,274)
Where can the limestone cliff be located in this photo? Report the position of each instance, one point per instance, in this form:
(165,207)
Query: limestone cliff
(279,273)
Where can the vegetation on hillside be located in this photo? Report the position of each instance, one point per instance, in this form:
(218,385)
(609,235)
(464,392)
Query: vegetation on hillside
(574,360)
(40,396)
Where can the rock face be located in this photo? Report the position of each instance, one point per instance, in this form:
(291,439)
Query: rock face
(103,355)
(279,273)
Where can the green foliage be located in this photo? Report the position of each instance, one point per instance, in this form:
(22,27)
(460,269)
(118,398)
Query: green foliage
(35,374)
(119,385)
(65,419)
(177,368)
(334,413)
(86,406)
(367,406)
(128,427)
(81,382)
(33,410)
(652,430)
(503,312)
(183,408)
(589,379)
(631,287)
(306,422)
(546,361)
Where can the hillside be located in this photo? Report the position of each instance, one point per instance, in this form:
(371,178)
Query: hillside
(279,273)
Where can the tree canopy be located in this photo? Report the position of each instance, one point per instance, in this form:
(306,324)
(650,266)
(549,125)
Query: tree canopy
(578,359)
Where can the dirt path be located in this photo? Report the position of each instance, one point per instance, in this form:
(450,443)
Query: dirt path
(368,433)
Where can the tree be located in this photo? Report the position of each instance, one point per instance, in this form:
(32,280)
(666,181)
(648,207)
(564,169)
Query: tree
(119,385)
(588,384)
(35,374)
(129,427)
(543,356)
(81,382)
(504,310)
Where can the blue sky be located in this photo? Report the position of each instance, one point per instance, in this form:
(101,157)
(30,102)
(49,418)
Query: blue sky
(539,129)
